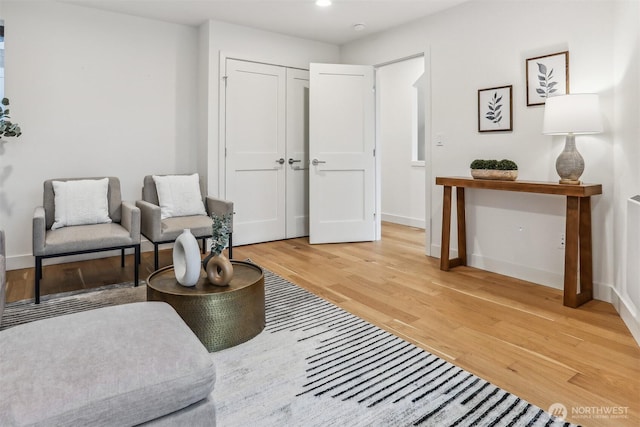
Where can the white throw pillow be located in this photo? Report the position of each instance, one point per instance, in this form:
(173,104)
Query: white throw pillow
(81,202)
(179,195)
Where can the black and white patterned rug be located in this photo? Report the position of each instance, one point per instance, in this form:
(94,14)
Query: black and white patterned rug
(318,365)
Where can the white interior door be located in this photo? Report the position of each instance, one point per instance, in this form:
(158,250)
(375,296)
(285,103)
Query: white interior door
(255,123)
(297,153)
(342,187)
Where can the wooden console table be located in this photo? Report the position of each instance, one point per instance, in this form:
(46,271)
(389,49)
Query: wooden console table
(577,258)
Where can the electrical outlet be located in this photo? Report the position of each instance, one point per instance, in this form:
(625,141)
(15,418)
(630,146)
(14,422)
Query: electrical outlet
(562,241)
(439,140)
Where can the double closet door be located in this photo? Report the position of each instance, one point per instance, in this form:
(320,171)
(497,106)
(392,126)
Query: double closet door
(266,150)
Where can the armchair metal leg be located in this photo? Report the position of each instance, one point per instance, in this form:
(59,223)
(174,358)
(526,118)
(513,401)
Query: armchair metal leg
(204,245)
(122,258)
(230,249)
(38,275)
(136,263)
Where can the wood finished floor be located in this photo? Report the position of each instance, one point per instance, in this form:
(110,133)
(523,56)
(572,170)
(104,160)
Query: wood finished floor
(516,334)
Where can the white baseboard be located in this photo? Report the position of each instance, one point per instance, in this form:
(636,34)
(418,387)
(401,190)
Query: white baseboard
(403,220)
(551,279)
(628,313)
(546,278)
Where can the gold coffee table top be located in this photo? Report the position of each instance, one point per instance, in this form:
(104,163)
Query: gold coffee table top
(221,317)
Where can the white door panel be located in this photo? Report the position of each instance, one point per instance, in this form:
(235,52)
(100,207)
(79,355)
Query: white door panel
(342,141)
(297,153)
(255,142)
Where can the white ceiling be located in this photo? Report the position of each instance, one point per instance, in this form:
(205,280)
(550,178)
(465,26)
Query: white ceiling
(298,18)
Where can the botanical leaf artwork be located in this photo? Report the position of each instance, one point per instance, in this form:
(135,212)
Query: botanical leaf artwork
(545,80)
(494,112)
(495,109)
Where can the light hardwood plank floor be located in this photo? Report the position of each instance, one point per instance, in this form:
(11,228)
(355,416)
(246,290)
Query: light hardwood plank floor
(516,334)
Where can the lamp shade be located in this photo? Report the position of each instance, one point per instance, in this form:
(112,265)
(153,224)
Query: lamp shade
(576,114)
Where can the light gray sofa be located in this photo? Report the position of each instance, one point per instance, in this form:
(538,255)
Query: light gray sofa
(124,365)
(3,276)
(122,233)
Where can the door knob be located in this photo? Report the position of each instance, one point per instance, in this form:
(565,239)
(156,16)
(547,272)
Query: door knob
(316,162)
(280,160)
(291,161)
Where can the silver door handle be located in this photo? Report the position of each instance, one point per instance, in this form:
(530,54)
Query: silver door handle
(291,161)
(316,162)
(280,160)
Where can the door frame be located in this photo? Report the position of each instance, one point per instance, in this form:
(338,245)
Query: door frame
(222,61)
(428,162)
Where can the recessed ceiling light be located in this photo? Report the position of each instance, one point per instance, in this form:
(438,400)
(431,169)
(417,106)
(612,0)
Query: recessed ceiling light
(323,3)
(359,27)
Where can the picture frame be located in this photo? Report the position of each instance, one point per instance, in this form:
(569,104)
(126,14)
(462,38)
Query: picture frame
(547,75)
(495,109)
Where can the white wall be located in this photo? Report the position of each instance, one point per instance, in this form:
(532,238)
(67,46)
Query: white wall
(403,180)
(484,44)
(257,45)
(626,148)
(96,93)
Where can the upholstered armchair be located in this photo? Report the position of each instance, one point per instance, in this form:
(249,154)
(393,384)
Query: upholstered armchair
(84,215)
(167,213)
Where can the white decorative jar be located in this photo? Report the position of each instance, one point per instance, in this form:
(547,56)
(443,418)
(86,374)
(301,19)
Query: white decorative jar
(186,259)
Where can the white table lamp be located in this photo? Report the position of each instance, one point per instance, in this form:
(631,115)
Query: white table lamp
(570,115)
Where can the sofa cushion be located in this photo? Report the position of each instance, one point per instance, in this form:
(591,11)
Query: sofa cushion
(120,365)
(3,284)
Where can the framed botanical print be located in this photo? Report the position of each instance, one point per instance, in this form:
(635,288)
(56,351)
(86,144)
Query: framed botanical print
(547,76)
(495,109)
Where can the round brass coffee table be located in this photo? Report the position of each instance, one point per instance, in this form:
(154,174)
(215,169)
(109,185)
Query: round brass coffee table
(221,317)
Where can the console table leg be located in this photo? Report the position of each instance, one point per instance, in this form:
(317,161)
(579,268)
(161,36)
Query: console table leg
(446,228)
(586,256)
(462,229)
(571,253)
(578,262)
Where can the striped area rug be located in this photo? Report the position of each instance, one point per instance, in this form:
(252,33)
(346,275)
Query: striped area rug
(318,365)
(327,367)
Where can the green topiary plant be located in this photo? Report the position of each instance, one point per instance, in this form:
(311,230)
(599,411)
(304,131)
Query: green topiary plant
(507,165)
(6,127)
(504,164)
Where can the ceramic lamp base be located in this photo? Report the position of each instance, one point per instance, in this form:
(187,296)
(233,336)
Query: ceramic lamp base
(570,163)
(570,181)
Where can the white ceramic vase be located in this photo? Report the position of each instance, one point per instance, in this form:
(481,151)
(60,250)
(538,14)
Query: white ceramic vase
(186,259)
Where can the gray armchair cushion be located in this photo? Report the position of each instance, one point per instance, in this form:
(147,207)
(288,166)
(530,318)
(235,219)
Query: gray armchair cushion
(86,238)
(199,225)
